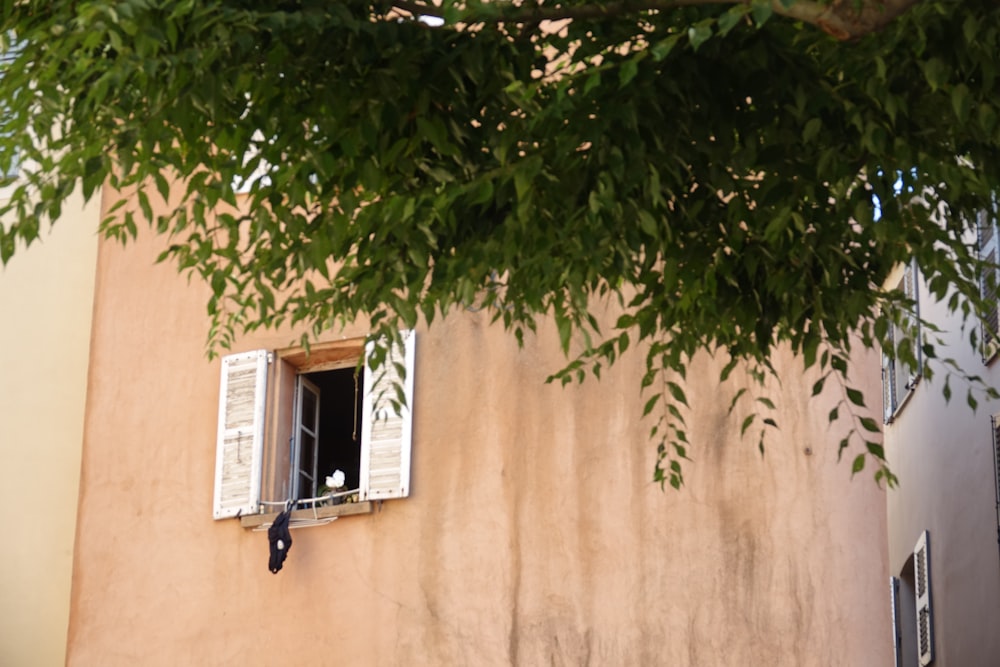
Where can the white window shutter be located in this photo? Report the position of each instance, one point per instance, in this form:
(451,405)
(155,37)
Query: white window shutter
(240,444)
(889,379)
(897,630)
(986,228)
(386,430)
(913,321)
(925,618)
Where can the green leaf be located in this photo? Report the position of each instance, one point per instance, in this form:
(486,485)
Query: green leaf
(811,129)
(766,402)
(858,465)
(875,449)
(856,397)
(761,11)
(628,71)
(961,102)
(699,33)
(663,47)
(869,424)
(838,363)
(936,73)
(731,18)
(677,393)
(565,327)
(736,397)
(842,446)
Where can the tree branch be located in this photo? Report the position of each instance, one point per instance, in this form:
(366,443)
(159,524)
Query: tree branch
(842,19)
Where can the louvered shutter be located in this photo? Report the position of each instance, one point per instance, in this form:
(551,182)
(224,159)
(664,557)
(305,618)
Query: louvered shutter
(897,630)
(987,231)
(9,50)
(995,423)
(889,378)
(240,443)
(925,618)
(909,286)
(386,427)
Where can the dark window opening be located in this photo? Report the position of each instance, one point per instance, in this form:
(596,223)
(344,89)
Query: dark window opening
(335,441)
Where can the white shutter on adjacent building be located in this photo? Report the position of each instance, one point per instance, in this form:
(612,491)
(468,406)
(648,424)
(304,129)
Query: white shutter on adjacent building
(239,448)
(889,379)
(922,581)
(909,286)
(386,428)
(986,228)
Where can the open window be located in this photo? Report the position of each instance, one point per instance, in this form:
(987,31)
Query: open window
(912,615)
(904,621)
(902,357)
(288,420)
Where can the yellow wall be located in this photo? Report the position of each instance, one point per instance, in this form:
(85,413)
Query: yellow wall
(532,535)
(46,298)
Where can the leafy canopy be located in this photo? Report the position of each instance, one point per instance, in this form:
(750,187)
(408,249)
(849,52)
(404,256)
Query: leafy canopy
(708,168)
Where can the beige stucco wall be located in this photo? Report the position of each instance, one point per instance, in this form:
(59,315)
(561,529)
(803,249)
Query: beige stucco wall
(45,309)
(942,451)
(532,535)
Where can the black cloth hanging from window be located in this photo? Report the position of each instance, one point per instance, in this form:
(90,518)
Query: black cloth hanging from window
(281,541)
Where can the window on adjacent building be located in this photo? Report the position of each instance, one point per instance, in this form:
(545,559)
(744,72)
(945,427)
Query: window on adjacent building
(901,359)
(9,49)
(290,419)
(922,582)
(901,607)
(989,279)
(910,600)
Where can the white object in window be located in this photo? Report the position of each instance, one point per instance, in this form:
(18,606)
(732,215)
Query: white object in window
(925,618)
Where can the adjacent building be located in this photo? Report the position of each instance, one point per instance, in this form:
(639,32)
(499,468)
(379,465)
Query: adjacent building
(944,555)
(46,300)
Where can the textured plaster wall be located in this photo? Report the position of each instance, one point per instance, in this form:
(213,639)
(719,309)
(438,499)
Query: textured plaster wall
(943,454)
(45,310)
(532,535)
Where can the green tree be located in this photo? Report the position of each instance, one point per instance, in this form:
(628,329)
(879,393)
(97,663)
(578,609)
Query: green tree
(709,165)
